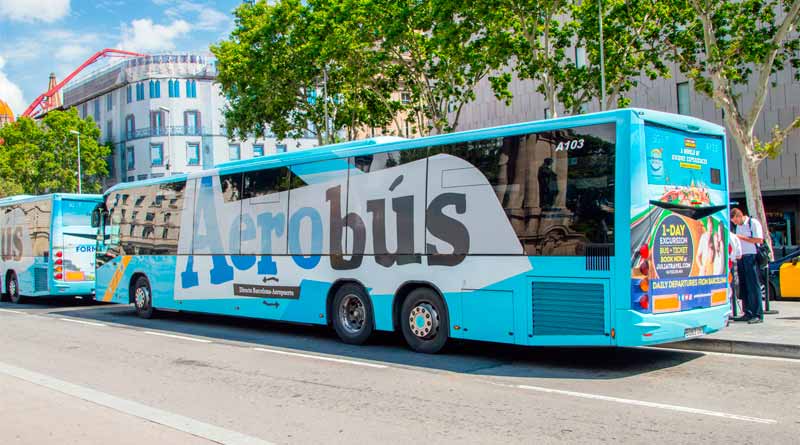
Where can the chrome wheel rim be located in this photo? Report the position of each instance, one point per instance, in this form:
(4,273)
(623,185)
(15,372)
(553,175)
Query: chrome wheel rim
(352,314)
(12,287)
(424,320)
(141,296)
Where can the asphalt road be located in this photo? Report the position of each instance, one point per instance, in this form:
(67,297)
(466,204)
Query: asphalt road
(74,372)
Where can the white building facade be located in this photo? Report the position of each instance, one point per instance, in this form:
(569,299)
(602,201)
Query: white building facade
(163,115)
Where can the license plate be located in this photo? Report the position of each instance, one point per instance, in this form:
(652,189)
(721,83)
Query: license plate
(692,332)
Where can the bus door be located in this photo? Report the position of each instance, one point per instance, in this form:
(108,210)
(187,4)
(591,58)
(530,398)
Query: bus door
(75,254)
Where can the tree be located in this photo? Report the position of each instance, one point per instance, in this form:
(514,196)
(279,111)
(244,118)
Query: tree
(723,46)
(42,157)
(302,67)
(440,52)
(542,33)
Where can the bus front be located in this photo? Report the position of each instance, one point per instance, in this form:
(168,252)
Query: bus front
(679,269)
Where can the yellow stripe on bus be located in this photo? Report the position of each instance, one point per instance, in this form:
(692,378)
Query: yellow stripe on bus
(116,278)
(666,304)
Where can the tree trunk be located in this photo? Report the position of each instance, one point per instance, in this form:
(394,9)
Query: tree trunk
(752,191)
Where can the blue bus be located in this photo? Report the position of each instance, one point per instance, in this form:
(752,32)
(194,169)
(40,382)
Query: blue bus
(48,246)
(600,229)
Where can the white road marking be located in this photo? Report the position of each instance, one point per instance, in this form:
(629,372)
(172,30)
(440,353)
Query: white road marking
(683,409)
(166,418)
(90,323)
(319,357)
(727,354)
(12,311)
(181,337)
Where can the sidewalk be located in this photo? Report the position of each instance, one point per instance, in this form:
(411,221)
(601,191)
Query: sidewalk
(778,336)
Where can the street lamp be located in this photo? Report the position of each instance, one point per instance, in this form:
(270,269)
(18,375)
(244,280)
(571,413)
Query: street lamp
(169,134)
(602,59)
(78,137)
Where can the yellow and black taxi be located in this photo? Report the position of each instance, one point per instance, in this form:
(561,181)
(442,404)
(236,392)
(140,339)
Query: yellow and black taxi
(784,277)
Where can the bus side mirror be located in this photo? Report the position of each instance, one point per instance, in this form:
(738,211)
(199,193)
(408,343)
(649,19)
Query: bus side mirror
(794,261)
(95,217)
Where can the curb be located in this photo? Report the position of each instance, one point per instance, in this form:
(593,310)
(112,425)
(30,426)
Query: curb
(738,347)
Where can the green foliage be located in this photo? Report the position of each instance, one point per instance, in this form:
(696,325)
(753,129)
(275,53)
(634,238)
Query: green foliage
(274,68)
(42,157)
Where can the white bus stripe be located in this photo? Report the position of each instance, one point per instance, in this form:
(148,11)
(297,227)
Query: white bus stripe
(168,419)
(319,357)
(90,323)
(683,409)
(181,337)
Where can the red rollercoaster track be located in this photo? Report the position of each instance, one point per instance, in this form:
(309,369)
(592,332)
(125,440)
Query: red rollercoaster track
(37,106)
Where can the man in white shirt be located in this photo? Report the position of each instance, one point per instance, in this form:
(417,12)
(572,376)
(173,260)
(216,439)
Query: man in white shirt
(750,234)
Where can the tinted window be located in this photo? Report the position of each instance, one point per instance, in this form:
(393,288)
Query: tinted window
(132,232)
(76,213)
(265,182)
(556,187)
(231,187)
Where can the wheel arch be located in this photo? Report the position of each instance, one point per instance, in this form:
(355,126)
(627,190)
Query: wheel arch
(132,282)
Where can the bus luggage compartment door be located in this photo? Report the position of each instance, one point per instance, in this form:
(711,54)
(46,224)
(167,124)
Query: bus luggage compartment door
(567,311)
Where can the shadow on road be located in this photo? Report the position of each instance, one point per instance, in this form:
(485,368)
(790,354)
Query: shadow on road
(478,358)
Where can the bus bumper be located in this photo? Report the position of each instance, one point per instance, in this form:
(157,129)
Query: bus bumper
(74,288)
(637,329)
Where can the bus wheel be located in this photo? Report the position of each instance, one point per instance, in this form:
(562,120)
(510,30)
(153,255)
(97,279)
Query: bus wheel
(353,318)
(12,287)
(143,298)
(424,321)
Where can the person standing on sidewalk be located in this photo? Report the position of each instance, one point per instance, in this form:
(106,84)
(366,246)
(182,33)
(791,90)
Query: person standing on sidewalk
(750,233)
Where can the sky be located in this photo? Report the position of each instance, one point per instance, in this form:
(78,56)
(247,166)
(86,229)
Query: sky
(38,37)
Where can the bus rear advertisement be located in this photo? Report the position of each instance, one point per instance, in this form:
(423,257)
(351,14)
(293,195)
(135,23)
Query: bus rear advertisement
(516,234)
(48,246)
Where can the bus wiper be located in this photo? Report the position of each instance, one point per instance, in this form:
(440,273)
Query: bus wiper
(689,211)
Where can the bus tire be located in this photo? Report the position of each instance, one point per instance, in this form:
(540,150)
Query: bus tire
(143,298)
(424,321)
(353,318)
(12,288)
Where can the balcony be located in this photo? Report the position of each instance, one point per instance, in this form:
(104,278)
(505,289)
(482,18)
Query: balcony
(175,130)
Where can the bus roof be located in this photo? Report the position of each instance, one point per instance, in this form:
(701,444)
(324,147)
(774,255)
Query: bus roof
(389,143)
(18,199)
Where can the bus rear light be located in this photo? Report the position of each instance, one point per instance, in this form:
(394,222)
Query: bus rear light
(644,285)
(644,251)
(59,261)
(58,276)
(58,269)
(649,334)
(644,301)
(730,249)
(644,267)
(59,254)
(730,264)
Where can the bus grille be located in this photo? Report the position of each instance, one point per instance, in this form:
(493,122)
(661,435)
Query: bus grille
(598,257)
(568,308)
(39,279)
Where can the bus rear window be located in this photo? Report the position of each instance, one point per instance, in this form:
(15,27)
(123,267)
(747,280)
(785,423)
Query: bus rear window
(76,213)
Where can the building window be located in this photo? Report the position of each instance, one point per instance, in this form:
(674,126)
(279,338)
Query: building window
(109,131)
(405,97)
(157,123)
(234,152)
(258,150)
(684,105)
(547,114)
(580,56)
(130,127)
(156,155)
(191,88)
(141,178)
(140,91)
(155,89)
(84,110)
(131,179)
(193,153)
(109,101)
(129,94)
(280,148)
(96,113)
(191,120)
(174,88)
(130,157)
